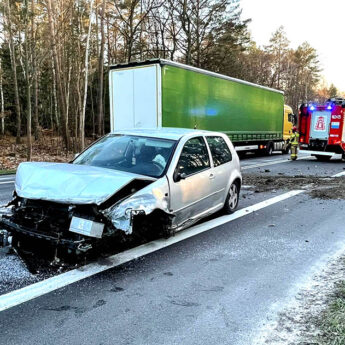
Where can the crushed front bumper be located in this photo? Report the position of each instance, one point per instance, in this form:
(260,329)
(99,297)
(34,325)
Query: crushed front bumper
(21,230)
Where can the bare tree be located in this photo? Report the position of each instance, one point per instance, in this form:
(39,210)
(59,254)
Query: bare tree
(2,111)
(86,68)
(34,70)
(278,48)
(14,69)
(28,83)
(130,18)
(59,77)
(64,46)
(100,128)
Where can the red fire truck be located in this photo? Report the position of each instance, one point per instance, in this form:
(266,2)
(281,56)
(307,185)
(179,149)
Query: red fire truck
(322,129)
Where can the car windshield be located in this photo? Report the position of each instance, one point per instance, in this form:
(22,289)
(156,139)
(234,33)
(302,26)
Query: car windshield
(134,154)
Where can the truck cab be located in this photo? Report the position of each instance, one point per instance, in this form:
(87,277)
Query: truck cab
(289,122)
(321,128)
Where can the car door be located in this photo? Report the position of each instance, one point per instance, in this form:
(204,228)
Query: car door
(222,166)
(191,187)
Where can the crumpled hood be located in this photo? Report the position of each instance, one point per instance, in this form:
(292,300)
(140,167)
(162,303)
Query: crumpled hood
(70,183)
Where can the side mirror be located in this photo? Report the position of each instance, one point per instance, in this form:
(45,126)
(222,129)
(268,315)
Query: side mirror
(178,176)
(74,157)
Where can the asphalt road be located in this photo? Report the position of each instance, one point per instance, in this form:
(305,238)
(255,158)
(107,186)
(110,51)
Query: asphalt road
(219,287)
(6,187)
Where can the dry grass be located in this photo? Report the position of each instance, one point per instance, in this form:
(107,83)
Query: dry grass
(332,323)
(46,149)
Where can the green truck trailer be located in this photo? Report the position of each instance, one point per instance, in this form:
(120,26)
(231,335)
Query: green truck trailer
(163,93)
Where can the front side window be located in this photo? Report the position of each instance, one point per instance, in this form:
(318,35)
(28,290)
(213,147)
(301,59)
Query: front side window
(220,151)
(129,153)
(194,157)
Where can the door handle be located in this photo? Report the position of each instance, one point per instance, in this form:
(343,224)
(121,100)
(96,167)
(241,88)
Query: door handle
(211,176)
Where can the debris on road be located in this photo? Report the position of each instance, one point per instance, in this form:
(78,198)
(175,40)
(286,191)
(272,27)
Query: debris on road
(13,273)
(318,187)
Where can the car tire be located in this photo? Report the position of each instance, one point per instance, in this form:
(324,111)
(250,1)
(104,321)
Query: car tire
(232,198)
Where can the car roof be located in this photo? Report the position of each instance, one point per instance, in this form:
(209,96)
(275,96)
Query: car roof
(164,132)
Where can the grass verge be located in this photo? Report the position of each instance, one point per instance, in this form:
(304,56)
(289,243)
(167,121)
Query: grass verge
(7,172)
(332,322)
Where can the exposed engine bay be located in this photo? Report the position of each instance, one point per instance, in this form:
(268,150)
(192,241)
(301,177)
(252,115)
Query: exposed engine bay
(82,225)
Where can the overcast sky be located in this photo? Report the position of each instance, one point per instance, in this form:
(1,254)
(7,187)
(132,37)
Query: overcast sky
(321,23)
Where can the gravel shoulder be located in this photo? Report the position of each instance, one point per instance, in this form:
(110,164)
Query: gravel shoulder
(13,272)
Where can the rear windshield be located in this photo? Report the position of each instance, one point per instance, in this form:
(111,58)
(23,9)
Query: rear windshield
(134,154)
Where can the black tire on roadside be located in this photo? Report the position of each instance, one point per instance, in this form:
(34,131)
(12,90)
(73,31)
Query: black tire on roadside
(232,199)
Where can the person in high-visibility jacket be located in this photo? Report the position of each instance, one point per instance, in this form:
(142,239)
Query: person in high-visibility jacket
(294,139)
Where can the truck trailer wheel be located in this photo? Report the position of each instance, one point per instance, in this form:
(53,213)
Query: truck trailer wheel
(321,158)
(287,150)
(269,149)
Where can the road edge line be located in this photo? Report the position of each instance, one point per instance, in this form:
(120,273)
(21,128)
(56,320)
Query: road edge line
(259,165)
(339,174)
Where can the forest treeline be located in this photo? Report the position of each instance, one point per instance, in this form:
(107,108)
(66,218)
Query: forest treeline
(54,56)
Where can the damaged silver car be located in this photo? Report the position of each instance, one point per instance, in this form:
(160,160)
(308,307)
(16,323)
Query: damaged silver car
(160,179)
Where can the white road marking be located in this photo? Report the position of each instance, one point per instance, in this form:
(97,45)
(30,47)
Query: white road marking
(7,178)
(259,161)
(339,174)
(271,163)
(7,182)
(30,292)
(263,164)
(244,186)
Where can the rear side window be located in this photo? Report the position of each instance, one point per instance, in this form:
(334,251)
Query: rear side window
(220,151)
(194,157)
